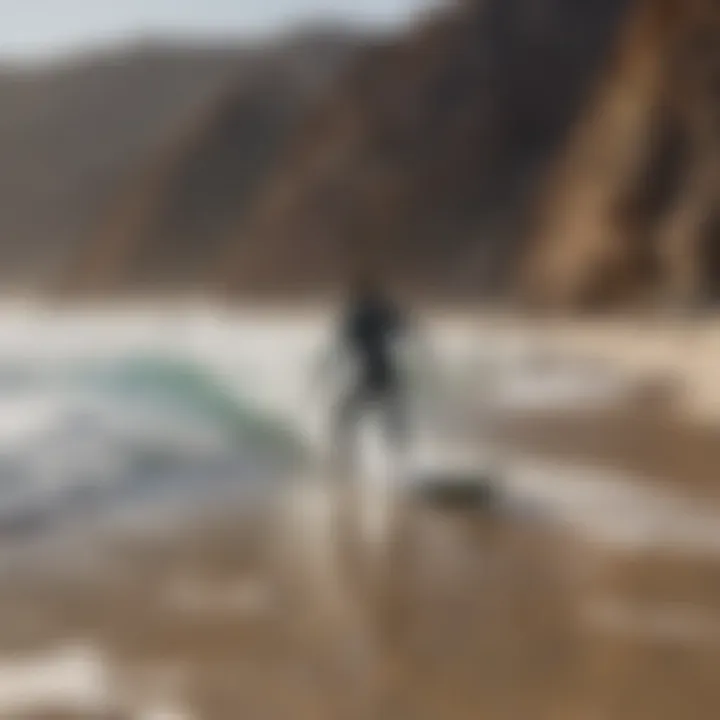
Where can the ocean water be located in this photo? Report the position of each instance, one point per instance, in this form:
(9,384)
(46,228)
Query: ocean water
(139,412)
(131,413)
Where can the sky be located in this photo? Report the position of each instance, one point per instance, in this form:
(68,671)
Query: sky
(41,28)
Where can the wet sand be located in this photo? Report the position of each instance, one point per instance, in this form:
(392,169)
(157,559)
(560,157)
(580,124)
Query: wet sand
(655,445)
(461,613)
(458,614)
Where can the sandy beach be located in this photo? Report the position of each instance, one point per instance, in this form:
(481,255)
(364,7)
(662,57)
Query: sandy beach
(463,613)
(586,589)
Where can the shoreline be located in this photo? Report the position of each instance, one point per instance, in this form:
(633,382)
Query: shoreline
(663,447)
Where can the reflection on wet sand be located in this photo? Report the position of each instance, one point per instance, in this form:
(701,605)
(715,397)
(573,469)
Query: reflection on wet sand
(570,594)
(462,613)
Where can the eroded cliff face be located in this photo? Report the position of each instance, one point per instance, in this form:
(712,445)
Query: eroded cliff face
(172,217)
(567,149)
(72,132)
(426,158)
(422,159)
(631,214)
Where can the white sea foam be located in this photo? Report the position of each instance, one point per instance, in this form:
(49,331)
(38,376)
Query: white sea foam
(72,679)
(102,393)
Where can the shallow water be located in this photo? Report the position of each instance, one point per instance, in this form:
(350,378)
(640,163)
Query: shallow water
(551,602)
(103,412)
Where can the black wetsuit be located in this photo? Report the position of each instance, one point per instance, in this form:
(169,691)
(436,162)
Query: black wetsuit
(370,331)
(372,328)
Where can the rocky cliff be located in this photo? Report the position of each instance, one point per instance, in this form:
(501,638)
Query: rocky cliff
(423,156)
(631,215)
(429,155)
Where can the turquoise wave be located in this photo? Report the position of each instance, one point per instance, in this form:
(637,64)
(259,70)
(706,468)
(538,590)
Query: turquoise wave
(196,393)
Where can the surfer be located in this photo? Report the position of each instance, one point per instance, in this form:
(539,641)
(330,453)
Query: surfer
(370,332)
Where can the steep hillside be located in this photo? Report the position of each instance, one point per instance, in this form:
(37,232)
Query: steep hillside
(172,219)
(71,133)
(566,149)
(426,158)
(632,216)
